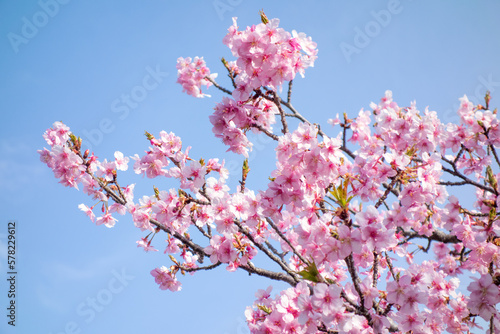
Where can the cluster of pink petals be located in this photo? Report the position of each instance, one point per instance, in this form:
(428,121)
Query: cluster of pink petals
(484,297)
(231,120)
(297,310)
(192,74)
(72,169)
(268,56)
(165,279)
(66,164)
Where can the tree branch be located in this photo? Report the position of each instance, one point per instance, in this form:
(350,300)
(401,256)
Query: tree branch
(435,236)
(227,91)
(251,269)
(273,257)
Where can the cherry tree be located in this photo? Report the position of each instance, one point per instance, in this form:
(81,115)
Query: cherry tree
(338,211)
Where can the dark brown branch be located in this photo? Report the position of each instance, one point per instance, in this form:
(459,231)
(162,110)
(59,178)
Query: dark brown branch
(277,101)
(251,269)
(375,269)
(387,191)
(494,151)
(391,267)
(447,183)
(289,95)
(356,280)
(210,267)
(435,236)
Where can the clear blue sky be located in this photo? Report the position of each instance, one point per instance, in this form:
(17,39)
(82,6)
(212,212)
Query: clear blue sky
(83,57)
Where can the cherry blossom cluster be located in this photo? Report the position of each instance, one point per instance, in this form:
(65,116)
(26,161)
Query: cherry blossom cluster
(268,55)
(192,74)
(231,120)
(72,168)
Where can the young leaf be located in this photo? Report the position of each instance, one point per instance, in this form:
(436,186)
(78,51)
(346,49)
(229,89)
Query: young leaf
(310,273)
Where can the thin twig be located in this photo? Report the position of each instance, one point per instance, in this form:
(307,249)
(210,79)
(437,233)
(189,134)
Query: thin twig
(266,132)
(277,102)
(355,280)
(448,183)
(285,239)
(387,191)
(251,269)
(375,268)
(273,257)
(210,267)
(227,91)
(289,95)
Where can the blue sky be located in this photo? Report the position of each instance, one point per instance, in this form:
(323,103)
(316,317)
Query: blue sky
(81,60)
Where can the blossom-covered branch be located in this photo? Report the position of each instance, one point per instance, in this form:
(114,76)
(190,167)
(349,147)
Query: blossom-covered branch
(349,213)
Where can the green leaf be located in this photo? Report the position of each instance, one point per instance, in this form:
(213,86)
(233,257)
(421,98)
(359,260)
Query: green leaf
(493,214)
(329,281)
(263,17)
(264,308)
(310,273)
(491,177)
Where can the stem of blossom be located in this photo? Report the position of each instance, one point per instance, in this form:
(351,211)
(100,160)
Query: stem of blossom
(462,148)
(277,102)
(349,301)
(210,267)
(203,191)
(282,236)
(494,151)
(375,269)
(202,231)
(447,183)
(194,200)
(355,280)
(387,191)
(275,251)
(119,189)
(176,163)
(193,246)
(266,132)
(229,72)
(289,95)
(267,252)
(227,91)
(391,268)
(490,146)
